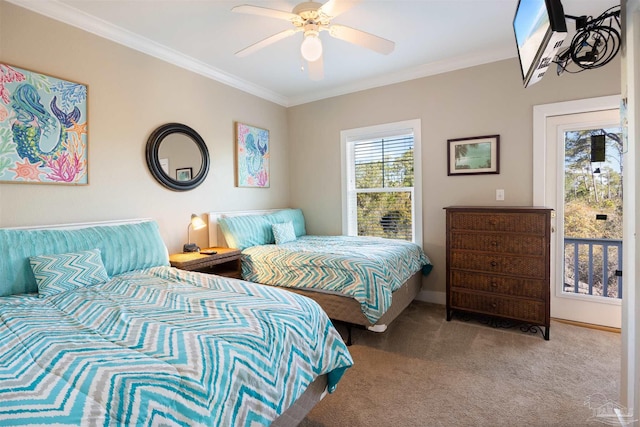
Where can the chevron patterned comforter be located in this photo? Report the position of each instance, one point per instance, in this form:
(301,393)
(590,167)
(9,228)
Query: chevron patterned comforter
(162,347)
(368,269)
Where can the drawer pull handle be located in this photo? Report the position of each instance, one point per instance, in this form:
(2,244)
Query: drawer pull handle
(494,243)
(494,284)
(493,263)
(494,305)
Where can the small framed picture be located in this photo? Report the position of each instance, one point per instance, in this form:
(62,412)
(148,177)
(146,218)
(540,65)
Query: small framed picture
(184,174)
(473,156)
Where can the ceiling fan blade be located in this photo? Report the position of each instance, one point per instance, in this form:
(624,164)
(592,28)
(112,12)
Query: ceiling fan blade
(265,11)
(316,69)
(362,38)
(266,42)
(334,8)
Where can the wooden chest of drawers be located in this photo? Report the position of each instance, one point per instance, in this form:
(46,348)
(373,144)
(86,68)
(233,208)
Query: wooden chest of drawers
(498,262)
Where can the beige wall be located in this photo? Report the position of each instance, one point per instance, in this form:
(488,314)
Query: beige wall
(483,100)
(130,94)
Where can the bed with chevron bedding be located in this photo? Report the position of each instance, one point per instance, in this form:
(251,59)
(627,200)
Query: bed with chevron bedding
(359,280)
(96,329)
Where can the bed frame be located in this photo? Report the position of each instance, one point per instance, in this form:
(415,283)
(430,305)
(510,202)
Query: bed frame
(294,415)
(338,307)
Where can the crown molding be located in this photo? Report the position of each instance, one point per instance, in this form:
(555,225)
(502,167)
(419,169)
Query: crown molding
(62,12)
(426,70)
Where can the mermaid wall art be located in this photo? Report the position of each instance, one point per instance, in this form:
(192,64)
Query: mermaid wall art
(252,156)
(43,128)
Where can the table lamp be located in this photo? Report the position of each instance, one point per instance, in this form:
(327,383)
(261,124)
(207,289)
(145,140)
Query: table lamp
(196,223)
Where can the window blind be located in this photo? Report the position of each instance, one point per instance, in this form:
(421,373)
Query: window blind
(384,179)
(384,163)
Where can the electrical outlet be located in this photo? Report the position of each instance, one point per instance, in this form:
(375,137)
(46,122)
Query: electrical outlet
(500,195)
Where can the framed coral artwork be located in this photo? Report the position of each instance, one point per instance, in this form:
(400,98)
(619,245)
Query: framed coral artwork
(252,156)
(43,128)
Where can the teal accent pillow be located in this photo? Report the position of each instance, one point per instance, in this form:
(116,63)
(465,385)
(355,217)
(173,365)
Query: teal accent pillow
(294,215)
(124,247)
(283,232)
(64,272)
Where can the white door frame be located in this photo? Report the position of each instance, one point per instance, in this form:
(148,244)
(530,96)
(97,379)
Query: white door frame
(630,383)
(598,310)
(577,308)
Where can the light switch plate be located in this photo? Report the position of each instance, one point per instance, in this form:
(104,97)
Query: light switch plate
(500,195)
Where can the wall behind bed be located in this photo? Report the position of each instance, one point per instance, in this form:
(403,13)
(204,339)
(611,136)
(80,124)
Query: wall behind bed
(482,100)
(130,94)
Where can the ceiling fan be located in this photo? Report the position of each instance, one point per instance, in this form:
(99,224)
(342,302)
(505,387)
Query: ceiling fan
(311,18)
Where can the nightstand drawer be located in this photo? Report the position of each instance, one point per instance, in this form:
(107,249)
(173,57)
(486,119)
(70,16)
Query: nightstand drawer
(499,243)
(225,262)
(532,223)
(509,286)
(520,309)
(517,265)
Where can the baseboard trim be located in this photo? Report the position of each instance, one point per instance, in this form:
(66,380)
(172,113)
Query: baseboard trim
(435,297)
(432,297)
(588,325)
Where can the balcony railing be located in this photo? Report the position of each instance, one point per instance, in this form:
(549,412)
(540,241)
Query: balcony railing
(598,264)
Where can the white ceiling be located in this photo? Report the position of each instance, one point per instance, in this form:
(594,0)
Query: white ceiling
(431,36)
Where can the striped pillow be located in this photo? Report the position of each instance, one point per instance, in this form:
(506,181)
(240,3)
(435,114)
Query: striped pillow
(64,272)
(244,231)
(123,247)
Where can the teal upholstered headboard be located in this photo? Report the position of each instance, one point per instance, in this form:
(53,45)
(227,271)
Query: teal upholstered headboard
(125,246)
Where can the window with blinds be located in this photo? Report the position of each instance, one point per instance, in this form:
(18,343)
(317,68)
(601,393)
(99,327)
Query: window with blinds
(380,185)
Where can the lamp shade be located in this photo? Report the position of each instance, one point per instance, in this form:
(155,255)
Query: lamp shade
(196,222)
(311,47)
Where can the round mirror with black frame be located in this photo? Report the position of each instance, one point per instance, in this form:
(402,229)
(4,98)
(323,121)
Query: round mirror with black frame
(177,157)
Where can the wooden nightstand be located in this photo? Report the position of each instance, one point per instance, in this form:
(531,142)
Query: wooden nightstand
(226,262)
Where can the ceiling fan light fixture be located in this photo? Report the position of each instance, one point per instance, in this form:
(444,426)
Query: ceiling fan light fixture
(311,18)
(311,48)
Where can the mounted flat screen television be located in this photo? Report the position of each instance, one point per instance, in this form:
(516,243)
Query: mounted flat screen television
(540,28)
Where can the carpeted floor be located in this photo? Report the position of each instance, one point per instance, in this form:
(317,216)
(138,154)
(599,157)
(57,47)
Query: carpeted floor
(425,371)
